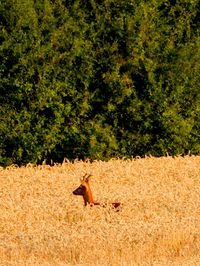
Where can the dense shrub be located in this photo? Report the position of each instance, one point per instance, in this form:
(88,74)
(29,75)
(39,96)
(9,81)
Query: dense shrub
(98,79)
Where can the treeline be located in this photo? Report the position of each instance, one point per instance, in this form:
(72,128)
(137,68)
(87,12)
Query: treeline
(98,79)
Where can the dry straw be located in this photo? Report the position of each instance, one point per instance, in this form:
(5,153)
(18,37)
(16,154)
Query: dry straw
(43,223)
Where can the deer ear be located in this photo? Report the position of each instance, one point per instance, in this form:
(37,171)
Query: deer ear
(88,178)
(83,178)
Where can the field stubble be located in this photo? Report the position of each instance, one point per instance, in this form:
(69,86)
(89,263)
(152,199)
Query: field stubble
(43,223)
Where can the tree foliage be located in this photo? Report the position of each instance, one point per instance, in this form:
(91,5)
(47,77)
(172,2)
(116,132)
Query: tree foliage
(97,79)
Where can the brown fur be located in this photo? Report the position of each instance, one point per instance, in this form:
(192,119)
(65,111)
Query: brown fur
(84,190)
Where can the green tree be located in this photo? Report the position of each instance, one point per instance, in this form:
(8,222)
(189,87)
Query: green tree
(98,79)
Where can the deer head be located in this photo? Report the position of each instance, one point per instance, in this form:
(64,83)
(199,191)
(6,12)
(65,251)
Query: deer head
(84,190)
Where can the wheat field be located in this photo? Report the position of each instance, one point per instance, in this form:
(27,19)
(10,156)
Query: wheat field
(43,223)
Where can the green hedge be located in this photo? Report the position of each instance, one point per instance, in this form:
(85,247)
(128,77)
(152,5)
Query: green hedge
(98,79)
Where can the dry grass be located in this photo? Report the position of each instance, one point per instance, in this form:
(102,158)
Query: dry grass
(42,223)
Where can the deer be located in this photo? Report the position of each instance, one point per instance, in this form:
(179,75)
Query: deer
(84,190)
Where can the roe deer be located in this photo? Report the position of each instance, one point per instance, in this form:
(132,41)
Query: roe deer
(85,191)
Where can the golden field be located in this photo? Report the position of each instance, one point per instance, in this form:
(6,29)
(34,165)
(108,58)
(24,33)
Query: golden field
(43,223)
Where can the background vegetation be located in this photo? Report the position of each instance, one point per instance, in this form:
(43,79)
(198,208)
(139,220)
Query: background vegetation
(98,79)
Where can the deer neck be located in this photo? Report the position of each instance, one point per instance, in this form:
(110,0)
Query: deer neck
(87,197)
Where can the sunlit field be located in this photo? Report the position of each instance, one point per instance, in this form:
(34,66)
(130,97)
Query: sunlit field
(43,223)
